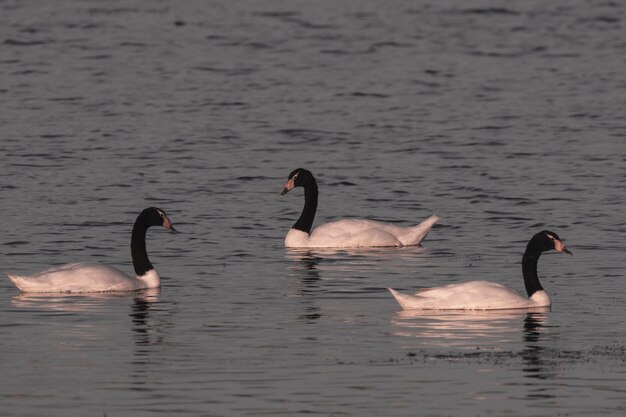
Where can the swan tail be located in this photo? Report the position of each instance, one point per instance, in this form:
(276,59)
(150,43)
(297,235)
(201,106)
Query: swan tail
(403,300)
(416,234)
(27,283)
(19,282)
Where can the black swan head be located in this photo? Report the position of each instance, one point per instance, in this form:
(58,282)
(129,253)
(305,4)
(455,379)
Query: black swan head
(153,216)
(299,177)
(545,241)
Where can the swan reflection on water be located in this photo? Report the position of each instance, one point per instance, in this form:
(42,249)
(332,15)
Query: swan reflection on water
(515,334)
(539,360)
(77,302)
(91,316)
(147,330)
(453,328)
(140,314)
(304,267)
(404,253)
(331,271)
(352,261)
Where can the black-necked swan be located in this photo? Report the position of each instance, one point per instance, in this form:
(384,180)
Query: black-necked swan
(486,295)
(345,233)
(85,277)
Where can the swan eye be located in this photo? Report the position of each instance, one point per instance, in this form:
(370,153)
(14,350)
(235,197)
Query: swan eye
(551,237)
(295,176)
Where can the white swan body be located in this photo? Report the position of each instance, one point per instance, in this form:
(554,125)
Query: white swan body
(87,277)
(355,233)
(486,295)
(84,277)
(473,295)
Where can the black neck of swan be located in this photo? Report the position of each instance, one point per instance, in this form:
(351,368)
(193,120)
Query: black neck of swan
(529,269)
(141,263)
(305,221)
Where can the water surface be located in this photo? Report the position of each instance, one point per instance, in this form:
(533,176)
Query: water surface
(502,119)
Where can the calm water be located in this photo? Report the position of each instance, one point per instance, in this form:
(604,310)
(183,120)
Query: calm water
(503,119)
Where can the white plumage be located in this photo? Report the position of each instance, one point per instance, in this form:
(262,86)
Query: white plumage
(473,295)
(84,277)
(355,233)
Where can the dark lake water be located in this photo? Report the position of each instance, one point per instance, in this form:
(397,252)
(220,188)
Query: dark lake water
(503,118)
